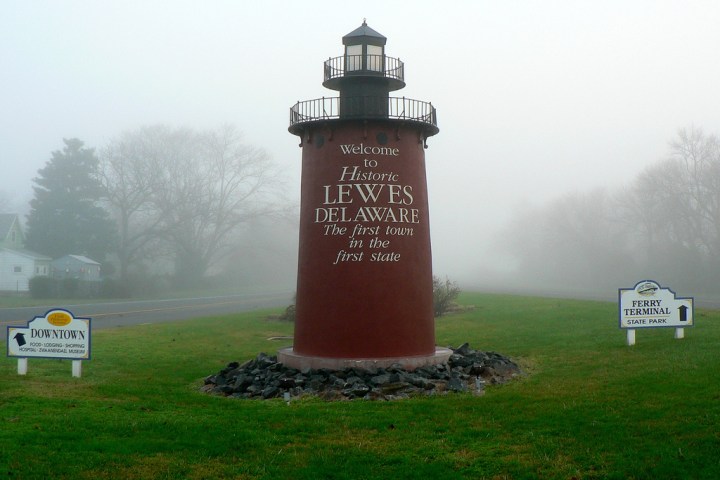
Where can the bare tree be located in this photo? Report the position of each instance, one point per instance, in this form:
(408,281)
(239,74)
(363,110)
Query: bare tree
(127,173)
(665,224)
(572,241)
(696,171)
(207,197)
(674,205)
(648,212)
(189,190)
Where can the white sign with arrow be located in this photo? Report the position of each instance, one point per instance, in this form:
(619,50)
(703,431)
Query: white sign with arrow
(57,334)
(647,305)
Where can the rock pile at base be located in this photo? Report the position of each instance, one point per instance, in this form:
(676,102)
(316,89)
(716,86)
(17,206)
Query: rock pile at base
(467,370)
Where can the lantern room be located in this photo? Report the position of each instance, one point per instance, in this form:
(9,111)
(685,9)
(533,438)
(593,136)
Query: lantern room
(364,76)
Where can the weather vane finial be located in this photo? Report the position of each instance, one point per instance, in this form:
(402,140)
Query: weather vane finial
(364,21)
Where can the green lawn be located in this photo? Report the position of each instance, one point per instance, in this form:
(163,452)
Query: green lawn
(589,407)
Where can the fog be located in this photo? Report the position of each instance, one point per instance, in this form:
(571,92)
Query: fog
(535,100)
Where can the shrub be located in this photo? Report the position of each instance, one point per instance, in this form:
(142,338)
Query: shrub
(289,314)
(111,288)
(444,294)
(69,287)
(47,287)
(42,287)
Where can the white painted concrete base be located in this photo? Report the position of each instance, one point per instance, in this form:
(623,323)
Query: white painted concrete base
(289,358)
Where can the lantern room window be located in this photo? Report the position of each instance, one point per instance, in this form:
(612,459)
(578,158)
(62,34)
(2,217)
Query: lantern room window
(353,60)
(374,58)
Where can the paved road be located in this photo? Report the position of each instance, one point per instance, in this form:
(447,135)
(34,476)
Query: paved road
(116,314)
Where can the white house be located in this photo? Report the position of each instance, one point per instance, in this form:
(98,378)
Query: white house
(17,265)
(76,266)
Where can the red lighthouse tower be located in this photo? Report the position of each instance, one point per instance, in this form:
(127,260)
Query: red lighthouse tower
(364,292)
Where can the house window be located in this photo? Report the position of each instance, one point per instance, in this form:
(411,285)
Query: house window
(17,269)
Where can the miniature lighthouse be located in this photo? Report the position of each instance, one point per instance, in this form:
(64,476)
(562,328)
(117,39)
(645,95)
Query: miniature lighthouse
(364,289)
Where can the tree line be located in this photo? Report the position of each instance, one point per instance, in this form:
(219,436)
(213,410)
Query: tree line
(155,195)
(664,225)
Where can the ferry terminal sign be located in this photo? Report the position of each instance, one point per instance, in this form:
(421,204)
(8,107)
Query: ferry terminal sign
(647,305)
(57,334)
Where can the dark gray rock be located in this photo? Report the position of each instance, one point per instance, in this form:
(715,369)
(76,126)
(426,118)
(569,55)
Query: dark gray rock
(287,383)
(467,370)
(456,384)
(394,387)
(357,390)
(464,350)
(270,392)
(380,379)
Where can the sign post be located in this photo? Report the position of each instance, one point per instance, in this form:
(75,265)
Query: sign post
(647,305)
(22,366)
(57,334)
(76,368)
(631,337)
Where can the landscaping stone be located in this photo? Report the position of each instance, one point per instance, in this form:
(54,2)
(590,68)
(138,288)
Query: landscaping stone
(263,377)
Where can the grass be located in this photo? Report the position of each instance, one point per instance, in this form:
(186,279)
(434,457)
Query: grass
(589,407)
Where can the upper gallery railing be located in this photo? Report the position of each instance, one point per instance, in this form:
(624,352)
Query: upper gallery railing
(373,64)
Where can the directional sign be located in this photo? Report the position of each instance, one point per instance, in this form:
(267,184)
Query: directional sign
(647,305)
(57,334)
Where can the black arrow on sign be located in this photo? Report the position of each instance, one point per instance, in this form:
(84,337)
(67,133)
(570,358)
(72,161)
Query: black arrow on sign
(20,339)
(683,313)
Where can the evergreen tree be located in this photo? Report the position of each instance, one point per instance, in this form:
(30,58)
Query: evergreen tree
(66,216)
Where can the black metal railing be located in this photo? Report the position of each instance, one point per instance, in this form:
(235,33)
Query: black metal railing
(331,108)
(364,64)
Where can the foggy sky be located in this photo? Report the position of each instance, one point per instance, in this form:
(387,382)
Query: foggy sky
(534,99)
